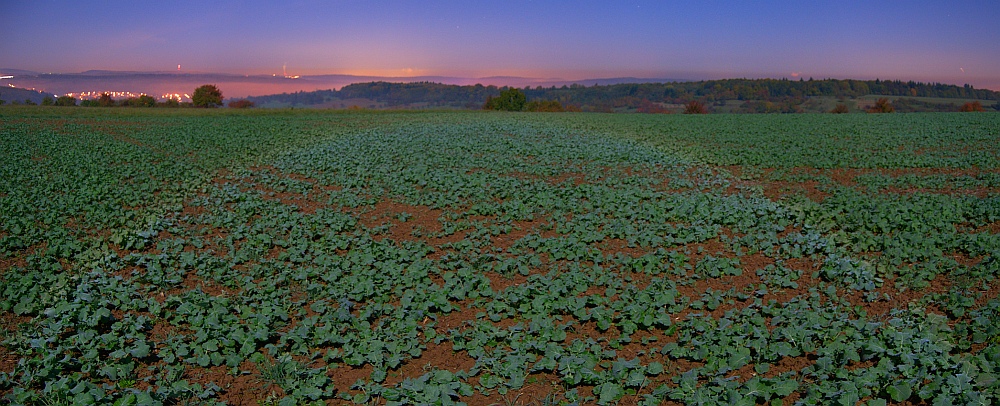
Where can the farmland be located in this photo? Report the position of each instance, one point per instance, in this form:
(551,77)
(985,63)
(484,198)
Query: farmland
(297,257)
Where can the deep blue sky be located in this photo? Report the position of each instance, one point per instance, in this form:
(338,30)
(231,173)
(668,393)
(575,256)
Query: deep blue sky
(951,42)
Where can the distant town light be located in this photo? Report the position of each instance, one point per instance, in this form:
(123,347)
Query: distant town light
(122,95)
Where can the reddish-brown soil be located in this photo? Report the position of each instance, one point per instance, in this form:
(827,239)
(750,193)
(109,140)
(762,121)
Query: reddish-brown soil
(459,319)
(435,356)
(898,299)
(576,179)
(992,228)
(519,230)
(611,246)
(537,388)
(423,224)
(419,219)
(9,325)
(775,188)
(306,203)
(500,282)
(984,297)
(10,263)
(344,376)
(243,389)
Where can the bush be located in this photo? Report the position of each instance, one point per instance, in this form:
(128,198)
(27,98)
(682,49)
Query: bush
(971,107)
(241,104)
(48,101)
(169,103)
(512,99)
(145,101)
(550,106)
(695,107)
(882,106)
(207,96)
(840,109)
(141,101)
(105,100)
(66,101)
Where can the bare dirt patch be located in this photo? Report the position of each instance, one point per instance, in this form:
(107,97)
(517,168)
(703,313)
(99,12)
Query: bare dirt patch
(345,376)
(307,202)
(576,179)
(776,188)
(9,323)
(612,246)
(404,219)
(191,282)
(242,389)
(989,294)
(538,388)
(435,356)
(523,176)
(519,230)
(897,299)
(9,263)
(456,320)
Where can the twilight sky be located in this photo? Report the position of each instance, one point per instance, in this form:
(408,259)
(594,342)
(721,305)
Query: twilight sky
(938,41)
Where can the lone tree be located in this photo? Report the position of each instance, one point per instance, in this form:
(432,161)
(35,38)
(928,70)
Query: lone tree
(512,99)
(207,96)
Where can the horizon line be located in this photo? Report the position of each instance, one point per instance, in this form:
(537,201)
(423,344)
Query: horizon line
(681,77)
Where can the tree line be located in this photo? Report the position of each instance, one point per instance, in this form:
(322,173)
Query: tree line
(752,95)
(756,95)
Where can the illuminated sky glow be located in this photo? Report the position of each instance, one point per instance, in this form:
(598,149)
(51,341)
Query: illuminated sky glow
(933,41)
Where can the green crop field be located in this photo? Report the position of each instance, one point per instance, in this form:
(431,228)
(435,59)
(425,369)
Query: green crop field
(193,257)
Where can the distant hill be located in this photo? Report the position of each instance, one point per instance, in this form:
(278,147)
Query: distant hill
(14,95)
(729,95)
(239,86)
(625,94)
(17,72)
